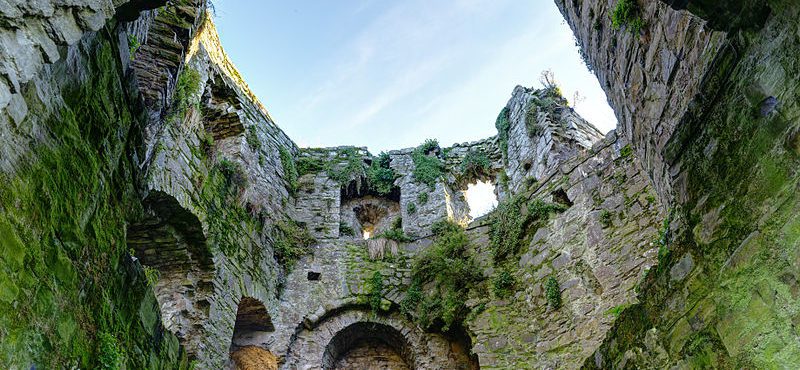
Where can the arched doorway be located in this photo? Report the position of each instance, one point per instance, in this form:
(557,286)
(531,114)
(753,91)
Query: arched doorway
(250,332)
(368,345)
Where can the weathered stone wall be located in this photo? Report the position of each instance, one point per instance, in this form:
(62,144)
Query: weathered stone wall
(724,294)
(651,78)
(67,193)
(562,135)
(30,38)
(598,250)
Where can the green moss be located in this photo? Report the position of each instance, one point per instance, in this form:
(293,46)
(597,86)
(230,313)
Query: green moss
(617,310)
(428,168)
(627,14)
(68,203)
(411,208)
(422,198)
(552,292)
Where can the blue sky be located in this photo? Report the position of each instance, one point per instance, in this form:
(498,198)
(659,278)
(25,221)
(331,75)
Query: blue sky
(389,74)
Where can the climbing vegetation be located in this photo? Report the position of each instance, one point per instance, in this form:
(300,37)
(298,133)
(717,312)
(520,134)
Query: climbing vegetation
(510,221)
(380,176)
(627,14)
(552,292)
(186,93)
(450,271)
(395,233)
(502,124)
(375,291)
(428,167)
(289,171)
(475,165)
(503,283)
(291,240)
(109,355)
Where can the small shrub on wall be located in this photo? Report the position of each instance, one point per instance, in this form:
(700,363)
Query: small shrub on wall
(428,168)
(449,271)
(553,293)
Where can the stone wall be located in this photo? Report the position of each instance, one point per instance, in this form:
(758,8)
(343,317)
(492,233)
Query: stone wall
(652,78)
(560,135)
(724,292)
(598,250)
(67,193)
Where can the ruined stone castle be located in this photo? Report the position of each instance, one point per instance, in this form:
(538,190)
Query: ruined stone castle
(153,216)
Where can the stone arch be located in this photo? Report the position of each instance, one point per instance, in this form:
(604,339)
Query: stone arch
(253,324)
(325,343)
(367,343)
(170,241)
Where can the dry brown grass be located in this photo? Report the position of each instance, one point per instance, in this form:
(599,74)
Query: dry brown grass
(254,358)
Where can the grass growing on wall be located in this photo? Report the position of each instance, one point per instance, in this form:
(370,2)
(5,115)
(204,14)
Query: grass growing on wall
(291,240)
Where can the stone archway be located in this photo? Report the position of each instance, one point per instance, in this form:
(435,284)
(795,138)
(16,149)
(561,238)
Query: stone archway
(251,331)
(367,345)
(355,338)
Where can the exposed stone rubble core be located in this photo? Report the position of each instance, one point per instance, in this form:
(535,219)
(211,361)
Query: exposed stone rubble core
(193,233)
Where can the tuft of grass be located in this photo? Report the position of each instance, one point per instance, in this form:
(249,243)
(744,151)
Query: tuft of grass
(626,14)
(133,45)
(233,172)
(252,138)
(345,229)
(186,92)
(552,292)
(428,168)
(396,233)
(605,218)
(422,198)
(152,275)
(411,208)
